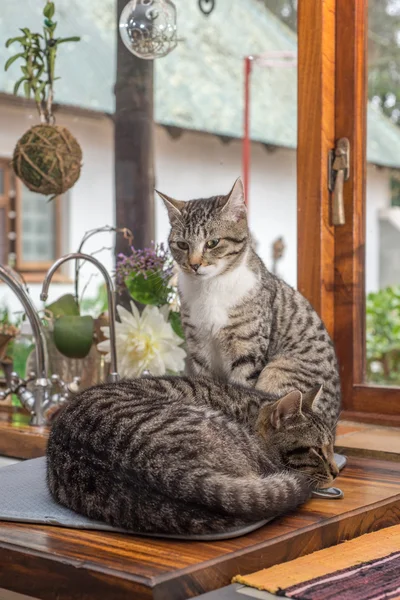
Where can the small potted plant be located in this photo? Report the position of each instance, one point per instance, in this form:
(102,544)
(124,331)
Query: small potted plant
(72,329)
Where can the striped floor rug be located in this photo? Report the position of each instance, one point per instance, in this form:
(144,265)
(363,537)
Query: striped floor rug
(365,568)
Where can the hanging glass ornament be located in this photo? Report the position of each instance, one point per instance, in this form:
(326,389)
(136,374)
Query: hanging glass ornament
(206,6)
(148,28)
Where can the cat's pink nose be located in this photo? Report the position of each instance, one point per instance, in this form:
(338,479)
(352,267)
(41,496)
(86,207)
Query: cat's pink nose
(194,267)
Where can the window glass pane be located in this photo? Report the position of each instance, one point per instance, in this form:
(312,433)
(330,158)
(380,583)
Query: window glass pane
(383,194)
(38,227)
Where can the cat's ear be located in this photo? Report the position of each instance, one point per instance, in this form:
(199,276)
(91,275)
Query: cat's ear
(310,399)
(233,204)
(173,206)
(286,407)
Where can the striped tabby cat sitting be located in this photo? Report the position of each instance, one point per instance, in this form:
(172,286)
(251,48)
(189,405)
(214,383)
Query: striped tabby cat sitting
(186,455)
(241,322)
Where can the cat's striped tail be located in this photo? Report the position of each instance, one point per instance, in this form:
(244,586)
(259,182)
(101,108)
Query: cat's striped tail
(248,498)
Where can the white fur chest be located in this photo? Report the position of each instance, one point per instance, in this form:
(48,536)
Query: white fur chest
(209,301)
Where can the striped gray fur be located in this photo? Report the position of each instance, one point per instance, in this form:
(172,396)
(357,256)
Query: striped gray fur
(241,322)
(186,455)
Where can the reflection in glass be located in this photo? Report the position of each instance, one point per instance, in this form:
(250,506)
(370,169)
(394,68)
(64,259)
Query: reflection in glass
(38,227)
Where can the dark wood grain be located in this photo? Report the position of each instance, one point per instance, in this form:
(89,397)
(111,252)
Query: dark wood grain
(374,418)
(371,398)
(316,134)
(50,562)
(20,440)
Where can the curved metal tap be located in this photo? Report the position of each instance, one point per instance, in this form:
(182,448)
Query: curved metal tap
(12,279)
(113,376)
(36,402)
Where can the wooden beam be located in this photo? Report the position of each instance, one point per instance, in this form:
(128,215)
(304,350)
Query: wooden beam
(133,141)
(316,85)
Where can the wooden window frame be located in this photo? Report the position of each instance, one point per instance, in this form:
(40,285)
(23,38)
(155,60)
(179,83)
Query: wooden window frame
(32,271)
(331,260)
(361,401)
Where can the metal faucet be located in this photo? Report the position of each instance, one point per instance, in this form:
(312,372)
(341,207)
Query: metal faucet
(113,376)
(38,401)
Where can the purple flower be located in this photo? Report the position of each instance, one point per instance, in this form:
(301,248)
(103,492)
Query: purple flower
(147,261)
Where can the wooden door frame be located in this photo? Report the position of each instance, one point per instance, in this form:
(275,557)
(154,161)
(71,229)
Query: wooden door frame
(332,36)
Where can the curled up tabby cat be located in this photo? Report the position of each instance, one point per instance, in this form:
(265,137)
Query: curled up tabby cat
(241,322)
(186,455)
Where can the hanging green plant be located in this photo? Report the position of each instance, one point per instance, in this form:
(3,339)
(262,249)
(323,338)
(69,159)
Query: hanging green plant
(47,158)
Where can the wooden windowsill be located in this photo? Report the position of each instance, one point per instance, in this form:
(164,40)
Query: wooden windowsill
(18,439)
(363,439)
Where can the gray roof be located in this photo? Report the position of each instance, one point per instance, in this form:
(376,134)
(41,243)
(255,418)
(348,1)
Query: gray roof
(199,86)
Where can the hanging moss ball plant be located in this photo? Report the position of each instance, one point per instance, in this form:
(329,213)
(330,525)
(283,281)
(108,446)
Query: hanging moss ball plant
(48,159)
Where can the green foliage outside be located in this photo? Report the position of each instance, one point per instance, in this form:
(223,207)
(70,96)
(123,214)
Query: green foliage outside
(383,336)
(395,190)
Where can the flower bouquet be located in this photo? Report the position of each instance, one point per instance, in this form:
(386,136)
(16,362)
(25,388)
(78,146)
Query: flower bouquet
(149,339)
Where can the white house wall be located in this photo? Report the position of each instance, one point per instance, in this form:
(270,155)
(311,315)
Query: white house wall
(195,165)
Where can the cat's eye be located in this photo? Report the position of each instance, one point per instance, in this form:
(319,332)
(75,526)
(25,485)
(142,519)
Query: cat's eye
(212,244)
(182,245)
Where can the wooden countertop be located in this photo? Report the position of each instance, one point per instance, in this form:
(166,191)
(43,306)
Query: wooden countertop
(50,562)
(18,439)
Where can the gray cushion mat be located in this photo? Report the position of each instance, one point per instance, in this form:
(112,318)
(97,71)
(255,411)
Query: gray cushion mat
(24,497)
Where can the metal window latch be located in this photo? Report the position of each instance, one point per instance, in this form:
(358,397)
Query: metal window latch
(339,172)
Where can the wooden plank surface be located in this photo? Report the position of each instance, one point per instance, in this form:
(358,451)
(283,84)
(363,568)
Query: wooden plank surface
(50,562)
(20,440)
